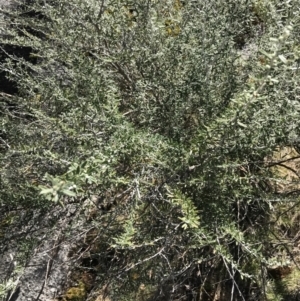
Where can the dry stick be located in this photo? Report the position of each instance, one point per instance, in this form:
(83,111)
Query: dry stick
(202,289)
(231,275)
(144,260)
(55,251)
(289,168)
(288,251)
(282,161)
(232,278)
(284,212)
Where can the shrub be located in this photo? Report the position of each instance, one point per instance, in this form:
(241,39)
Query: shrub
(166,113)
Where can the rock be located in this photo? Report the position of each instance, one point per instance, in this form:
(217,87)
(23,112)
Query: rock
(44,276)
(46,272)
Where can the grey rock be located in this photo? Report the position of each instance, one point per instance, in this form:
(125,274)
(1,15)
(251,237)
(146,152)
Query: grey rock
(46,272)
(44,276)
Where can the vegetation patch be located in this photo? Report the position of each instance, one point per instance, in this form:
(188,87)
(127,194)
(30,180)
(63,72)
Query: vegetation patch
(159,133)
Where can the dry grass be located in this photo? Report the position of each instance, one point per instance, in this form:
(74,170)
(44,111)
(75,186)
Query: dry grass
(286,170)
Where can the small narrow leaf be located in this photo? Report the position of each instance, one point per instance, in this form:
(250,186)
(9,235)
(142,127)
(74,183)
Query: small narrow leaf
(242,124)
(282,58)
(69,192)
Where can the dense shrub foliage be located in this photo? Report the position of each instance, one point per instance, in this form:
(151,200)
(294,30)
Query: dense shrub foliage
(163,117)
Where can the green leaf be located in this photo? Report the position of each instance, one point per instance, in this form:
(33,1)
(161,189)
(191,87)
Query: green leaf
(69,192)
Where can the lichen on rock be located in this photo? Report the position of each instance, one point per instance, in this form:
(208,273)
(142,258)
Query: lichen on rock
(77,293)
